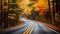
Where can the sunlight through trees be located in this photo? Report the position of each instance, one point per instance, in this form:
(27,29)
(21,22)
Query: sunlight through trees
(40,10)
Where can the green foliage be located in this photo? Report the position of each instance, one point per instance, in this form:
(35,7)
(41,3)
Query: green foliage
(0,6)
(14,1)
(11,16)
(30,4)
(5,3)
(34,14)
(33,0)
(14,6)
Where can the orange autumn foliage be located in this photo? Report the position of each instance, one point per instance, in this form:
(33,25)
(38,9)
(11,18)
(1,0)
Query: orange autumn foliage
(41,9)
(41,6)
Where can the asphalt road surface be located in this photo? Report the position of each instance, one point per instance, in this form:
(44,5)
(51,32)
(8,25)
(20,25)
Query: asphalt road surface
(30,27)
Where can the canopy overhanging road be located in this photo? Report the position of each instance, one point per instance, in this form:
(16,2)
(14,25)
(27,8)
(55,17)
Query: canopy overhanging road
(30,27)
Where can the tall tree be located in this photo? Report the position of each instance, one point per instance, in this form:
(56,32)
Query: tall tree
(34,14)
(0,13)
(53,11)
(49,11)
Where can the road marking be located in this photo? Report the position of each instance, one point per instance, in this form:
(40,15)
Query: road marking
(30,29)
(54,30)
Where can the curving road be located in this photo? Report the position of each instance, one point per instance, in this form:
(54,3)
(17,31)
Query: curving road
(30,27)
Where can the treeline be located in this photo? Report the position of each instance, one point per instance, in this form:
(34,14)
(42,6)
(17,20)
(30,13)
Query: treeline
(9,13)
(51,16)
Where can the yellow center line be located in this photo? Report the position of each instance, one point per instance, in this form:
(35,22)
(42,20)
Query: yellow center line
(30,29)
(26,30)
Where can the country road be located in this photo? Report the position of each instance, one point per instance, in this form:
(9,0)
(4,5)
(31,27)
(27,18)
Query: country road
(30,27)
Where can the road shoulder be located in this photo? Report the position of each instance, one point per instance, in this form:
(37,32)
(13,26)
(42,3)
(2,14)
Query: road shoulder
(52,27)
(18,24)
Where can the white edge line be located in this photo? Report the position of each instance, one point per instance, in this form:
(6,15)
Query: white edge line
(54,30)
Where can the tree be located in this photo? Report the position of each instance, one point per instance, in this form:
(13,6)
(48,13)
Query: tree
(9,13)
(34,14)
(47,16)
(0,14)
(14,11)
(49,11)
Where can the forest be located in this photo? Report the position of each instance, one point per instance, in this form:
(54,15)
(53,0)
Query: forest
(11,11)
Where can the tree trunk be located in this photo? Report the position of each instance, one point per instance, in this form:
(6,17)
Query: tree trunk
(53,12)
(50,20)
